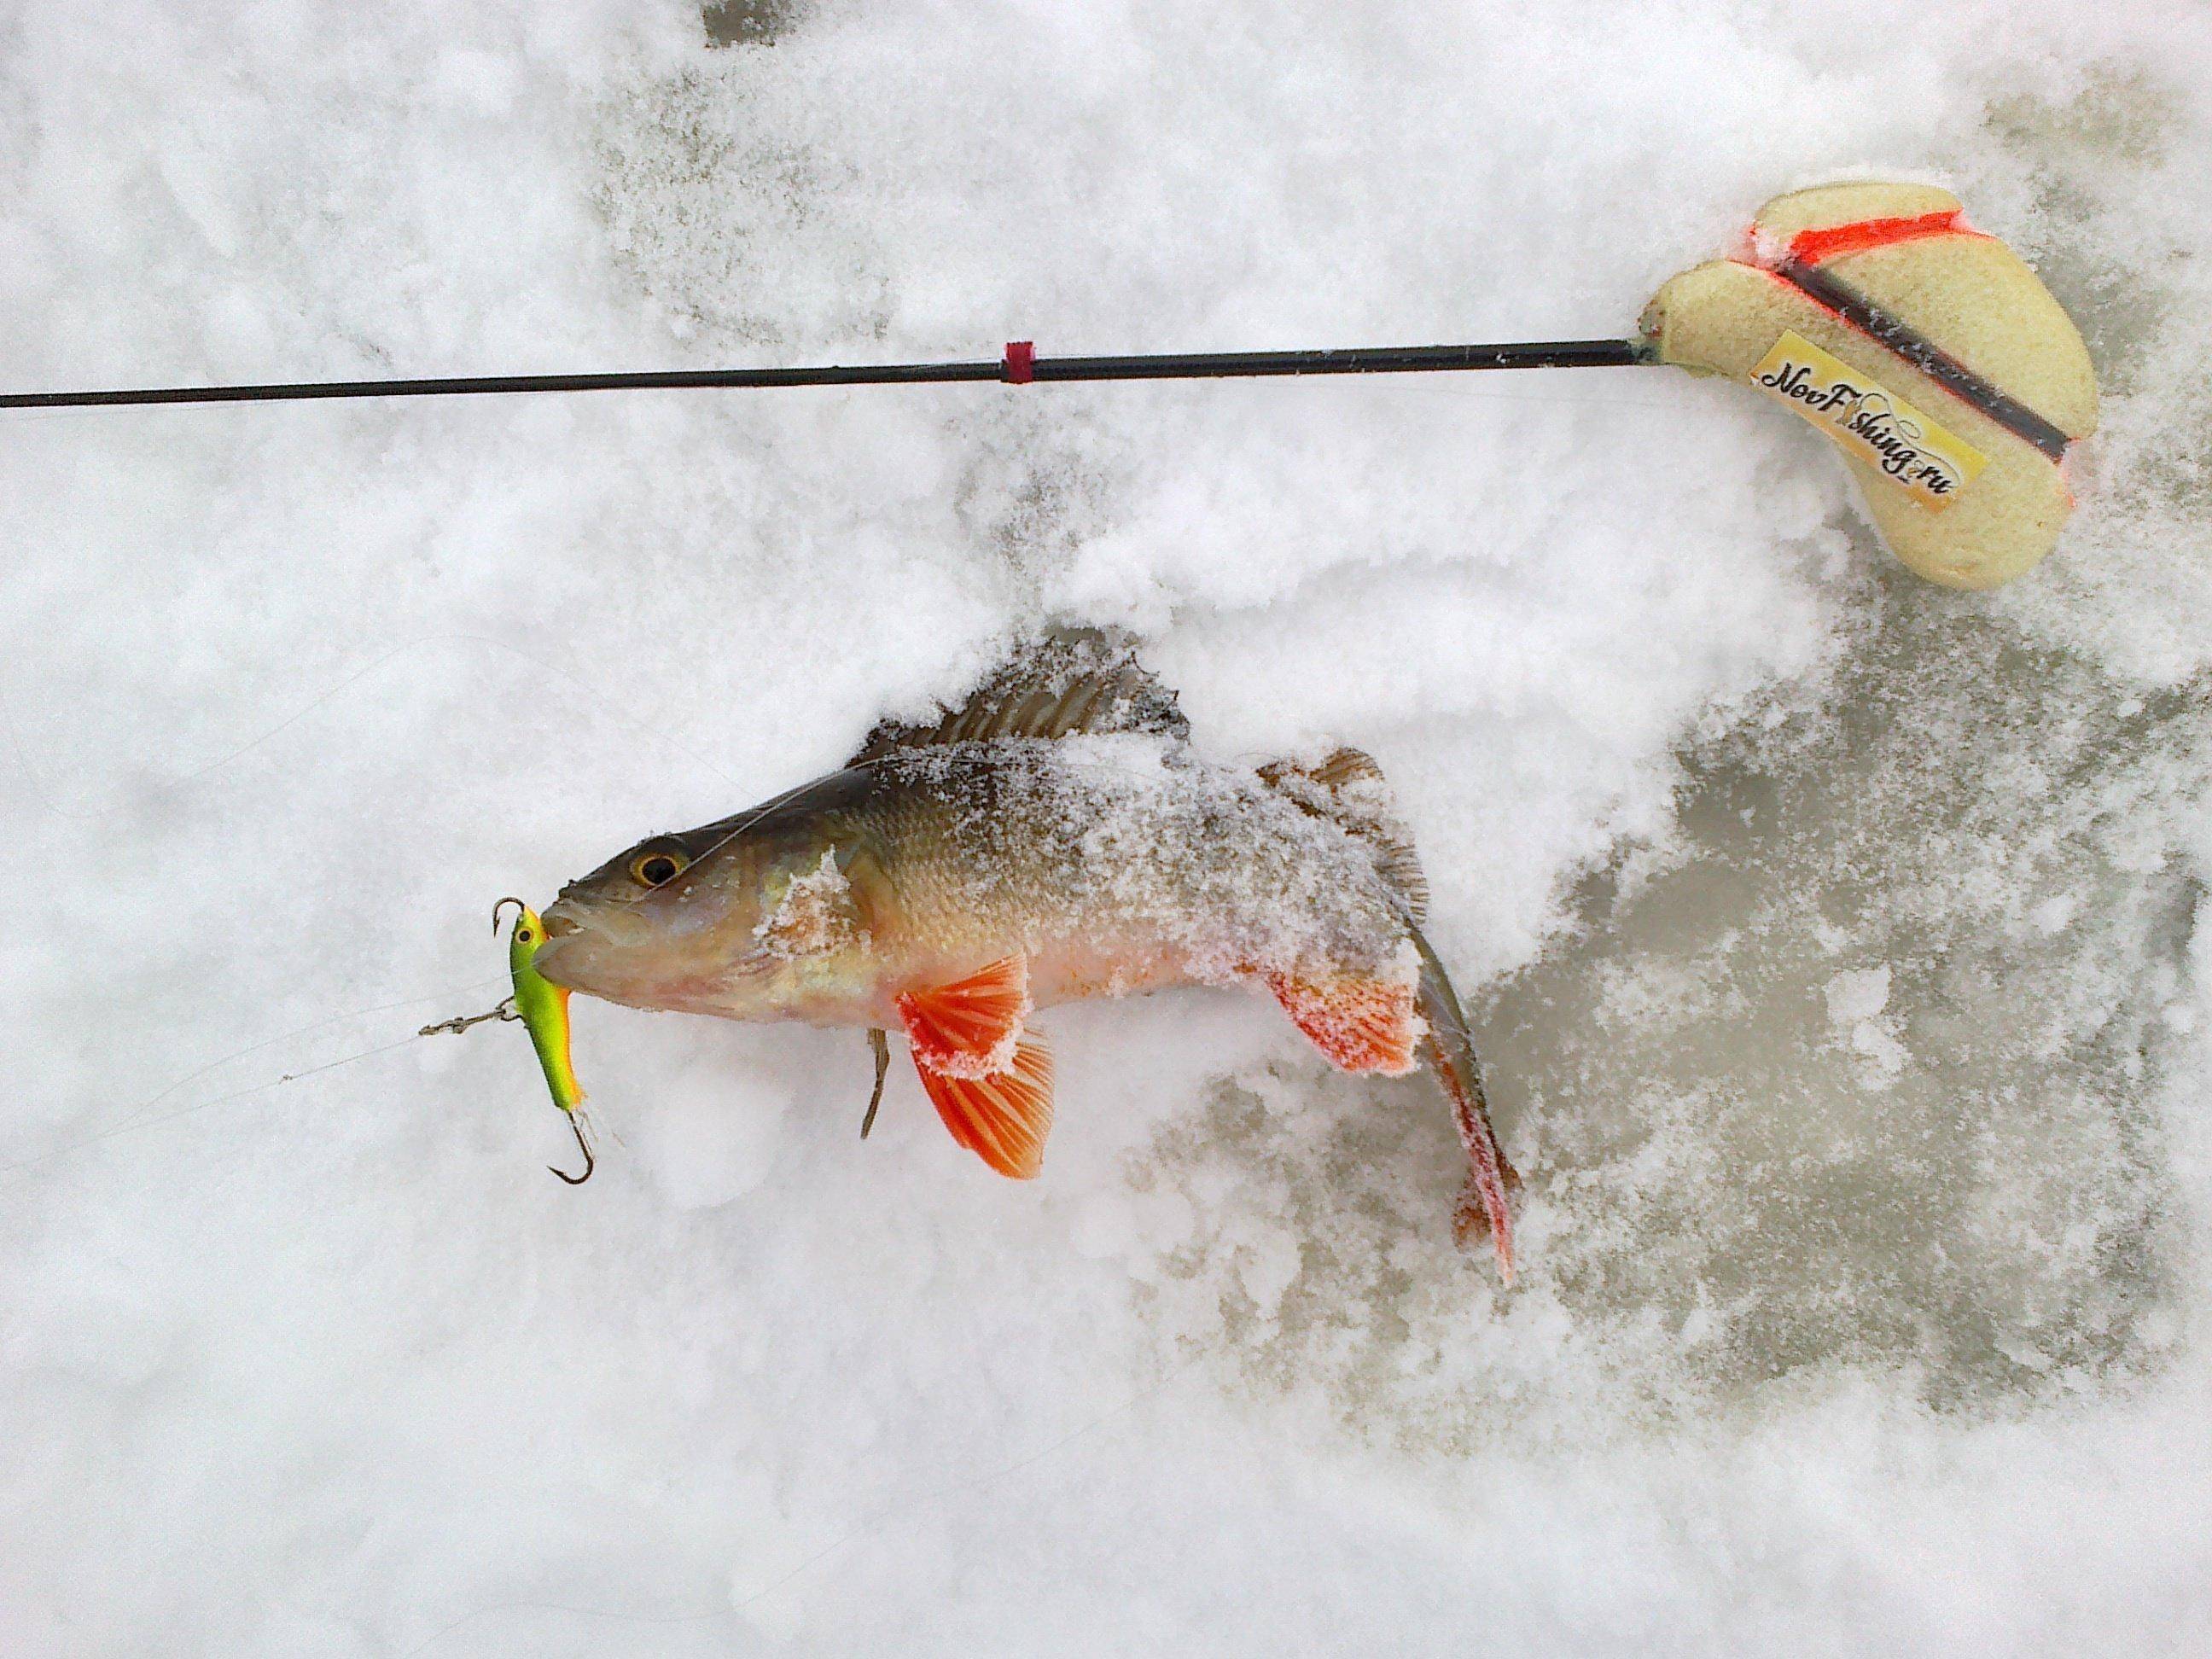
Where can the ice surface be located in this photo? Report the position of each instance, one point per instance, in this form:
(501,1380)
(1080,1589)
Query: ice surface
(1836,943)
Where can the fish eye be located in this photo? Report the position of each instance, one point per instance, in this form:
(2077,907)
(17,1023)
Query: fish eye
(653,869)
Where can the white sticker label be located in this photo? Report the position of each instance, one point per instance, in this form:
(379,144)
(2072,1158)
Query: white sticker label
(1869,421)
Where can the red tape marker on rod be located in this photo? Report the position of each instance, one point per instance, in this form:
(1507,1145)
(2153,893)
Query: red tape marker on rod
(1020,367)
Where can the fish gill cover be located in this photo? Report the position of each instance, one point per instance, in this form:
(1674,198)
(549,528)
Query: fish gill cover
(1835,944)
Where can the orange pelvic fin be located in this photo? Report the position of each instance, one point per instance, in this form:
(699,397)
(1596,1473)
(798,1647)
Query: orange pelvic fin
(1003,1118)
(970,1028)
(1362,1023)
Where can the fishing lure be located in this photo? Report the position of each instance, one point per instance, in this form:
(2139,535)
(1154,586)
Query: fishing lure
(543,1007)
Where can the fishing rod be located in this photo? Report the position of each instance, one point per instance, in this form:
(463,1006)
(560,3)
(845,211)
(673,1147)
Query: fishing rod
(1924,349)
(1020,366)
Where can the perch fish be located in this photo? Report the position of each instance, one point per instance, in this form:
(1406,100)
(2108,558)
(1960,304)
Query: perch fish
(1054,838)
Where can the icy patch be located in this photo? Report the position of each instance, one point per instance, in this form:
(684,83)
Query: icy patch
(1856,1001)
(1749,1162)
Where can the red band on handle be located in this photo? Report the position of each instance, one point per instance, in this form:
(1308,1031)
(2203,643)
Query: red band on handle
(1020,366)
(1832,242)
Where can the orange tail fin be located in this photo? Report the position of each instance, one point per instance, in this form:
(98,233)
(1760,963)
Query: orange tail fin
(1485,1207)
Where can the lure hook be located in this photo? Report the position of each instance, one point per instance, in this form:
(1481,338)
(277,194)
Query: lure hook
(590,1163)
(501,905)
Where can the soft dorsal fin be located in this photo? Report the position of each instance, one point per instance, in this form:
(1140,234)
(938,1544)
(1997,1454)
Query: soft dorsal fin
(1070,680)
(1347,788)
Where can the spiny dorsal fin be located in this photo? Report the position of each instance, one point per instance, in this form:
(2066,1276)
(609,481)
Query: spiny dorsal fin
(1347,788)
(1071,680)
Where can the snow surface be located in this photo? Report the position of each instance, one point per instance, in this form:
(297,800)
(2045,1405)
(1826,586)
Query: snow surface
(1837,943)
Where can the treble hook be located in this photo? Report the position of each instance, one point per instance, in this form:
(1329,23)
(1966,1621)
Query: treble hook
(503,905)
(590,1163)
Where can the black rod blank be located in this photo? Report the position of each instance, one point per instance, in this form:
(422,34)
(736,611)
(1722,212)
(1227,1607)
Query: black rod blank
(1016,367)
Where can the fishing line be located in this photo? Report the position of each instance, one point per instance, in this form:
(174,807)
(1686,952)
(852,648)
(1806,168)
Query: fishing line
(22,752)
(186,1111)
(590,691)
(133,1119)
(136,1120)
(148,1105)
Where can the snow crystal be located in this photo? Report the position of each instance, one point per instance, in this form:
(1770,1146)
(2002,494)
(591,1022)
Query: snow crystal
(814,914)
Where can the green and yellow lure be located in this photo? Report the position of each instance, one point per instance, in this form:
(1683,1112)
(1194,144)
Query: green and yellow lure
(543,1008)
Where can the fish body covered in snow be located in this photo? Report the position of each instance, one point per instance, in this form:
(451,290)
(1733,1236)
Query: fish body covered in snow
(1055,838)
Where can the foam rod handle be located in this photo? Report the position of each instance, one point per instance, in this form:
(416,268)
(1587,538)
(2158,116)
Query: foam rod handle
(1928,353)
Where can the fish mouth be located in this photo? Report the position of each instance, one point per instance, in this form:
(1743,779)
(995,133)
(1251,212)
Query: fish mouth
(611,924)
(589,947)
(586,960)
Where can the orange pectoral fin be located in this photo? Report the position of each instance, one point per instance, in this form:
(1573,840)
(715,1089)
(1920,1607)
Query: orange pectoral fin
(1002,1118)
(1362,1023)
(990,1081)
(969,1028)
